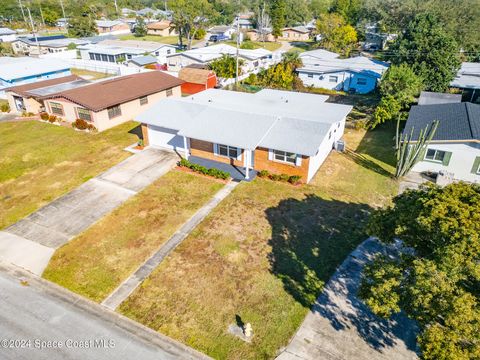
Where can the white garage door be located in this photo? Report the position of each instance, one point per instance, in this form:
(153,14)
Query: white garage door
(164,138)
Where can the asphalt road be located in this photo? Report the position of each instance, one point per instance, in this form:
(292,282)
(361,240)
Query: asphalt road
(40,321)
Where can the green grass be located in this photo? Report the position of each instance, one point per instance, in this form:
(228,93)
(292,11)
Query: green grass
(272,46)
(90,75)
(265,253)
(40,162)
(172,40)
(97,261)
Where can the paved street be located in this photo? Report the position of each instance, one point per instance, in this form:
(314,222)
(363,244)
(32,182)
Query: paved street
(36,312)
(64,218)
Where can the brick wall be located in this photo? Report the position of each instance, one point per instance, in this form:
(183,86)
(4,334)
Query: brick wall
(262,163)
(204,149)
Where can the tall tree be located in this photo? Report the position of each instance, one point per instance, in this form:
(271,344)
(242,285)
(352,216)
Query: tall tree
(277,15)
(438,282)
(318,7)
(349,9)
(140,27)
(297,12)
(336,34)
(83,24)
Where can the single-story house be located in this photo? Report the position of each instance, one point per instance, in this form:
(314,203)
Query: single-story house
(45,44)
(358,74)
(23,70)
(161,28)
(433,98)
(260,35)
(7,35)
(224,30)
(29,97)
(110,102)
(296,33)
(124,50)
(253,59)
(243,24)
(143,61)
(278,131)
(196,80)
(455,147)
(115,27)
(468,79)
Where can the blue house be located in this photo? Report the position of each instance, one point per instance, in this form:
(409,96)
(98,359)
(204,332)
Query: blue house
(23,70)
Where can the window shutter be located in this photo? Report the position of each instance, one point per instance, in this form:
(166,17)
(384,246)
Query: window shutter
(215,149)
(446,159)
(298,160)
(476,164)
(270,154)
(239,154)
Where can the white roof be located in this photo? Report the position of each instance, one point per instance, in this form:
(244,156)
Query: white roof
(209,53)
(468,77)
(137,44)
(21,67)
(280,120)
(6,31)
(112,50)
(108,23)
(358,64)
(318,54)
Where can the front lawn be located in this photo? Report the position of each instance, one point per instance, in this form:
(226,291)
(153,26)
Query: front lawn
(97,261)
(90,75)
(265,253)
(40,162)
(269,45)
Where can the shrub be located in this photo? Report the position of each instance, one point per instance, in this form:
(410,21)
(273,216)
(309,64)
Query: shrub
(52,118)
(44,116)
(81,124)
(294,179)
(219,174)
(275,177)
(5,107)
(263,173)
(284,177)
(140,143)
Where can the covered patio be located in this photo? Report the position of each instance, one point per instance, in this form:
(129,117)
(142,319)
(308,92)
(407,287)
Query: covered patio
(236,172)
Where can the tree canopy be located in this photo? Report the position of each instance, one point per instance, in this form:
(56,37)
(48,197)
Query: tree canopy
(437,283)
(336,34)
(225,67)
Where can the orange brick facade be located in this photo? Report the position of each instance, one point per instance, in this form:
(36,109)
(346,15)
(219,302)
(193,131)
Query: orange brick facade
(204,150)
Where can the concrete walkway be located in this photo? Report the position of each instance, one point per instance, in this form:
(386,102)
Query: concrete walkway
(340,326)
(132,282)
(43,231)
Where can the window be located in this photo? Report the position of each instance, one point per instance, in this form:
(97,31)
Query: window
(478,168)
(144,100)
(84,114)
(111,58)
(157,53)
(169,92)
(435,155)
(284,156)
(169,52)
(129,56)
(330,135)
(361,81)
(332,78)
(310,75)
(114,111)
(98,57)
(228,151)
(57,108)
(104,57)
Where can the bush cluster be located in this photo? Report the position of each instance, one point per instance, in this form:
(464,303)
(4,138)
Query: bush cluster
(81,124)
(219,174)
(292,179)
(44,116)
(5,107)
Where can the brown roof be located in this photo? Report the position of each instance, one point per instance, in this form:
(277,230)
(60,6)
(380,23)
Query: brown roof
(160,25)
(22,90)
(195,76)
(103,94)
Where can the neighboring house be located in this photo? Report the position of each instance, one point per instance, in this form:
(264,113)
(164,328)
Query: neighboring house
(62,22)
(278,131)
(114,27)
(455,147)
(29,97)
(433,98)
(260,35)
(316,56)
(223,30)
(253,59)
(7,35)
(296,33)
(468,79)
(358,74)
(124,50)
(161,28)
(45,45)
(143,62)
(23,70)
(196,80)
(159,14)
(243,24)
(110,102)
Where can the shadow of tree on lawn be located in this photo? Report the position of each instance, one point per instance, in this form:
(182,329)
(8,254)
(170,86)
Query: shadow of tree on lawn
(310,239)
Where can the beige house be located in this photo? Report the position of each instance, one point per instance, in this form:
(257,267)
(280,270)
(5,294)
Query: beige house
(257,35)
(161,28)
(114,101)
(297,33)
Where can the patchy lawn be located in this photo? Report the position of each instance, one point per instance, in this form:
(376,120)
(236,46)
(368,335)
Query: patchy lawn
(269,45)
(39,162)
(97,261)
(172,40)
(90,75)
(265,253)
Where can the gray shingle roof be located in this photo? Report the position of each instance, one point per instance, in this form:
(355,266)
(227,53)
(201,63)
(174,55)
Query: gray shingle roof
(460,121)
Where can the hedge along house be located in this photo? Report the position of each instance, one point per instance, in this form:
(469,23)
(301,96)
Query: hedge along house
(30,97)
(278,131)
(455,147)
(108,103)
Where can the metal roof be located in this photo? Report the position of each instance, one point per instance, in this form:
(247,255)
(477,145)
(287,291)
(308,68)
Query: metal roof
(54,89)
(280,120)
(358,64)
(468,77)
(6,31)
(431,98)
(22,67)
(144,60)
(209,53)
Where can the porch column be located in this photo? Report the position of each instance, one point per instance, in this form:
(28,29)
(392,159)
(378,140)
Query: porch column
(247,164)
(185,148)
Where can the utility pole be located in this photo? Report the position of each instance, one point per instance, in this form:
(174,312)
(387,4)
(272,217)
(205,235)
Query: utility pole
(41,14)
(23,12)
(238,47)
(116,8)
(33,29)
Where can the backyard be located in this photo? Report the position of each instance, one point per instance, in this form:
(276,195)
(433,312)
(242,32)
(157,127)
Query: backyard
(172,40)
(39,162)
(263,255)
(269,45)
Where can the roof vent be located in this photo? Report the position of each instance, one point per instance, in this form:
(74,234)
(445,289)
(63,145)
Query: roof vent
(209,100)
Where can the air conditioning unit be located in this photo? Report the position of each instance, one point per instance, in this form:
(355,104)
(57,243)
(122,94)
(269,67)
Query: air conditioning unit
(340,145)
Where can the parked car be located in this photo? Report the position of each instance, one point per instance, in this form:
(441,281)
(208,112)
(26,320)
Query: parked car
(218,37)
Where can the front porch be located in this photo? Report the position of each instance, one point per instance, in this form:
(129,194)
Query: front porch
(236,172)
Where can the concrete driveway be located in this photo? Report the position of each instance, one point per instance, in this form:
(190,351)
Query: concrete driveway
(40,233)
(340,326)
(38,313)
